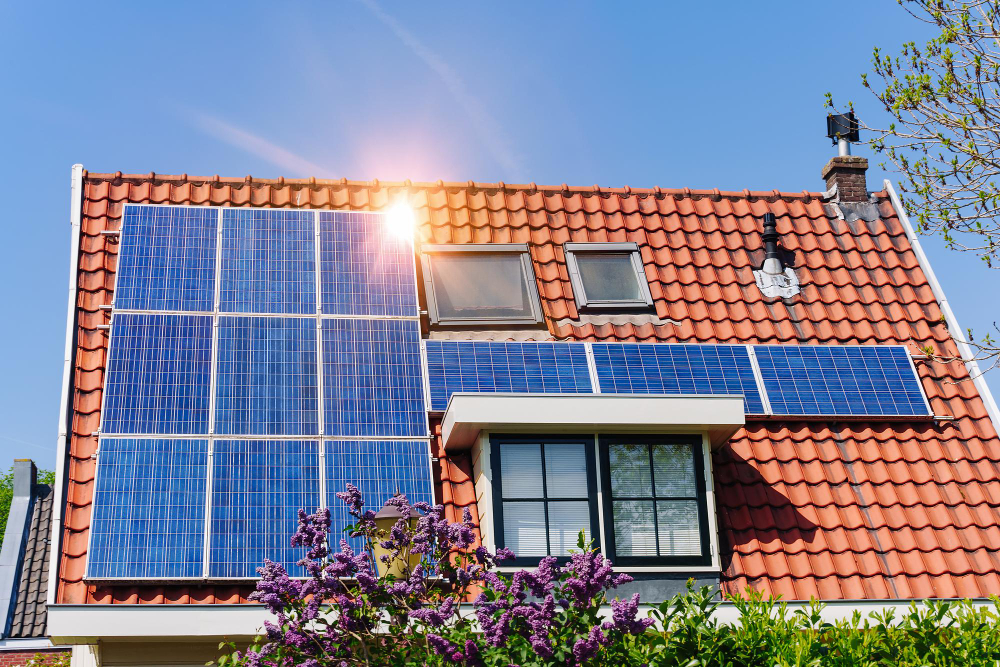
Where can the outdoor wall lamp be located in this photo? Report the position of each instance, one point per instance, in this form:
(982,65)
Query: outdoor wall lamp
(385,519)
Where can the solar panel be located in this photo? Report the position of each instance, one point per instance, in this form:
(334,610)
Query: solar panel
(166,258)
(497,367)
(149,509)
(645,368)
(366,268)
(258,487)
(380,469)
(266,380)
(158,376)
(845,380)
(372,378)
(268,261)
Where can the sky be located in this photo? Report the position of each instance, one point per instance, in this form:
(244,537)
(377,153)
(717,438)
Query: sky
(699,95)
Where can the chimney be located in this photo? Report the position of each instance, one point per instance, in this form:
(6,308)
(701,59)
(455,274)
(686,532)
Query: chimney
(845,172)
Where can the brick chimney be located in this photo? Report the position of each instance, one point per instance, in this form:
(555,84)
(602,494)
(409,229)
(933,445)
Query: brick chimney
(847,172)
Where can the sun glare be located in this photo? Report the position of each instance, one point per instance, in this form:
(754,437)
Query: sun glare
(401,220)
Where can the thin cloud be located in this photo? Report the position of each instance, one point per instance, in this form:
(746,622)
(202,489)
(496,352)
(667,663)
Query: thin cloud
(255,145)
(489,130)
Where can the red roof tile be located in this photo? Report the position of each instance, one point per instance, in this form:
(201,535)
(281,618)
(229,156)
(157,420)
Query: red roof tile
(833,511)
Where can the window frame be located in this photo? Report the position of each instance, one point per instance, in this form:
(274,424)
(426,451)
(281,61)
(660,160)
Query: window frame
(496,442)
(428,251)
(645,300)
(701,495)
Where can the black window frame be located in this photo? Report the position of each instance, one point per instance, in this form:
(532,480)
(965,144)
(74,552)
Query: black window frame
(427,253)
(583,302)
(496,442)
(701,496)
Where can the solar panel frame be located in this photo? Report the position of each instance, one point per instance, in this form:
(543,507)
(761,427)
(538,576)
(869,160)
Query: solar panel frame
(678,368)
(485,366)
(355,277)
(122,462)
(274,270)
(373,378)
(265,482)
(179,248)
(853,380)
(379,468)
(174,349)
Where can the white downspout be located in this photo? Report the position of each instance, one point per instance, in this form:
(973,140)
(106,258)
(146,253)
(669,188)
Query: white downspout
(949,317)
(62,452)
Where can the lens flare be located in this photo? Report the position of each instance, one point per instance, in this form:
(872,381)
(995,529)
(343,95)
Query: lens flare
(401,220)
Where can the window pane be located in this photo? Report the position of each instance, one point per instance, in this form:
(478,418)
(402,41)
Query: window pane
(630,471)
(673,470)
(635,532)
(566,520)
(609,276)
(566,471)
(680,531)
(521,471)
(480,286)
(524,528)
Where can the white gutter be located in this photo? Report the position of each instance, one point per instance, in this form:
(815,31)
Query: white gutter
(964,349)
(62,451)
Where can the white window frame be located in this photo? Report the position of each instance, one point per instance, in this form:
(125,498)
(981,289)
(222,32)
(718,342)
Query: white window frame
(528,273)
(571,250)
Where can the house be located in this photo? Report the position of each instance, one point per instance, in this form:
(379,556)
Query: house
(758,484)
(24,571)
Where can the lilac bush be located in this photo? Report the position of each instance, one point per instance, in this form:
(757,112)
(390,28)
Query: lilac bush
(449,606)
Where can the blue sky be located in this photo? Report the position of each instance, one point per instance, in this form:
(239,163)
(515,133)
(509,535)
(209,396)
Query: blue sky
(697,95)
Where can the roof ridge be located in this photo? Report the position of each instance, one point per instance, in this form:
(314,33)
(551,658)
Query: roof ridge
(531,188)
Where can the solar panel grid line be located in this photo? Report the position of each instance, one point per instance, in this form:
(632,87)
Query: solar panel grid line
(207,537)
(215,334)
(755,365)
(320,383)
(595,381)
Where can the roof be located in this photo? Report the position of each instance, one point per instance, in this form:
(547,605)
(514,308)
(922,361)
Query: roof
(28,619)
(845,510)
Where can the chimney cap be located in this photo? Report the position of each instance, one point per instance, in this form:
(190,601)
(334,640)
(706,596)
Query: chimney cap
(842,126)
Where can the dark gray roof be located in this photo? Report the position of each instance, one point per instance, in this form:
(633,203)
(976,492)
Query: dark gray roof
(28,618)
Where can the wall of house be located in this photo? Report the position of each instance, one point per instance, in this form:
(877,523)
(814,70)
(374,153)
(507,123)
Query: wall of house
(20,658)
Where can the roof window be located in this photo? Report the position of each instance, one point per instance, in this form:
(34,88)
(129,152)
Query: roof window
(607,276)
(480,284)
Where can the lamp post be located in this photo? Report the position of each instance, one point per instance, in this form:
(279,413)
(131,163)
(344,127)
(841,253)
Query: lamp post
(385,519)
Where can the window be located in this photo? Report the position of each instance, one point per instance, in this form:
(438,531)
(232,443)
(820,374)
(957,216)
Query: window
(607,276)
(480,284)
(654,501)
(545,493)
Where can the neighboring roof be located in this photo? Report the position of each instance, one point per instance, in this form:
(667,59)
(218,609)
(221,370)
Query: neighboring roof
(29,617)
(806,509)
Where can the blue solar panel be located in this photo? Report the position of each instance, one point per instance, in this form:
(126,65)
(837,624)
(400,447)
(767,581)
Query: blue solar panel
(380,469)
(166,258)
(367,269)
(487,366)
(158,375)
(266,376)
(372,378)
(645,368)
(268,261)
(258,487)
(149,509)
(848,380)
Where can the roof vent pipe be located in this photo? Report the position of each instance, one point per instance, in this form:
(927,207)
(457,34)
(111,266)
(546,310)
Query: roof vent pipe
(772,256)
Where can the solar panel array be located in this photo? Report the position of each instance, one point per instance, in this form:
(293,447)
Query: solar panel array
(243,343)
(781,380)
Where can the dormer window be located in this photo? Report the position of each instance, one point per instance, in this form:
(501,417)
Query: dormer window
(607,276)
(480,284)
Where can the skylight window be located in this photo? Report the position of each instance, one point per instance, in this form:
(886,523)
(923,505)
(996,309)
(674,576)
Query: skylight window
(480,284)
(607,276)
